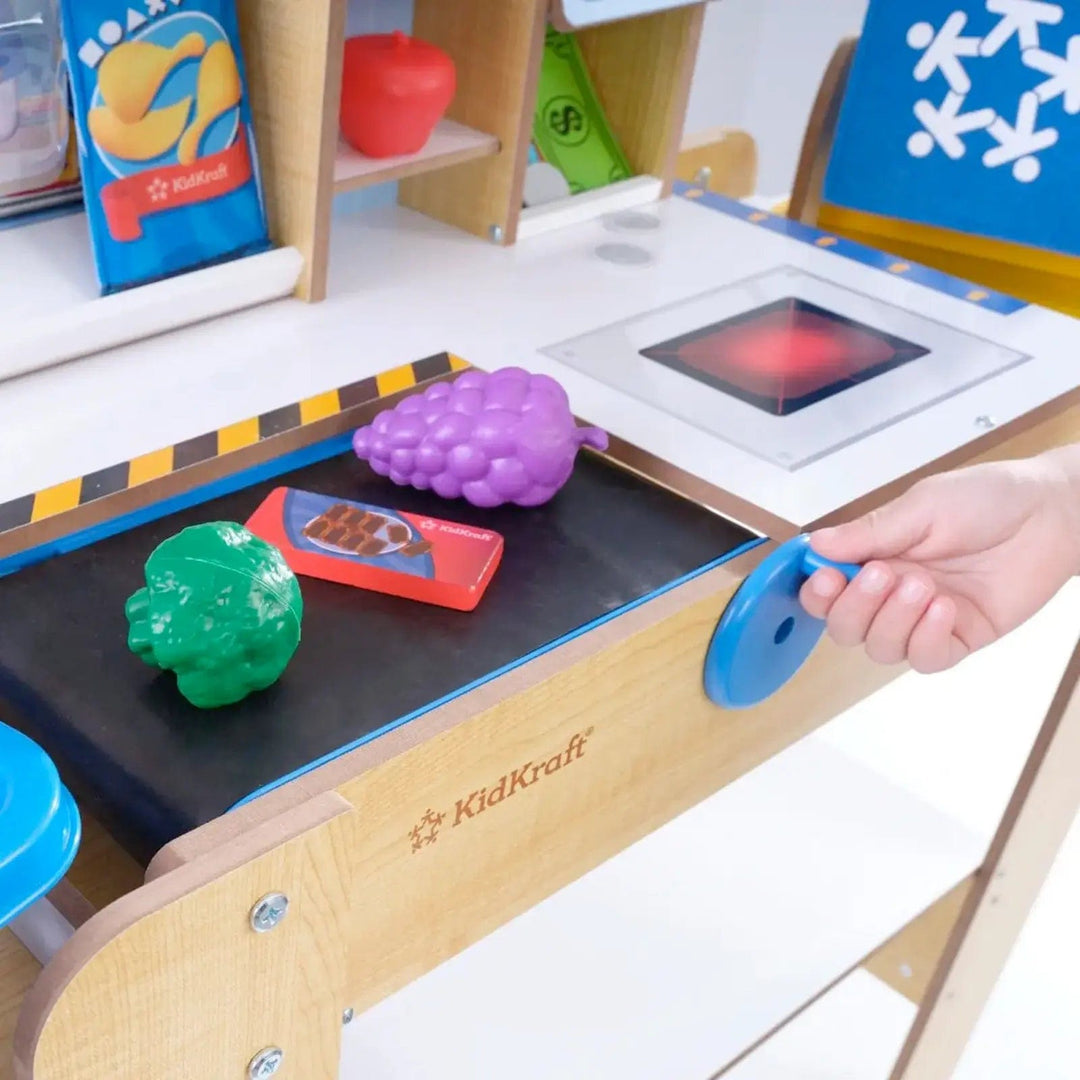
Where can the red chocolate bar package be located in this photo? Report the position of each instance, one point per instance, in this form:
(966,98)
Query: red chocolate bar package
(408,555)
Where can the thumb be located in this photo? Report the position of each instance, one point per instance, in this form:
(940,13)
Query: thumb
(886,533)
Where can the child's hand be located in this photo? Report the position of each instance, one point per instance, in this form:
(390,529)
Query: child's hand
(952,565)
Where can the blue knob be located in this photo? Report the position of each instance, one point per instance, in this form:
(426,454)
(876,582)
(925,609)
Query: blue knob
(40,827)
(765,635)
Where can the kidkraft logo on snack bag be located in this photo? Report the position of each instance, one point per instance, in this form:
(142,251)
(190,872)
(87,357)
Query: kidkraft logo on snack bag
(965,114)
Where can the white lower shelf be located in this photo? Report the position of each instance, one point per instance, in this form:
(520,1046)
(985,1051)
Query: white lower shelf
(51,309)
(589,205)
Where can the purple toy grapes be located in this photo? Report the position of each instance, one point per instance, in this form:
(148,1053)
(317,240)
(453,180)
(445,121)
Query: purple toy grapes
(507,437)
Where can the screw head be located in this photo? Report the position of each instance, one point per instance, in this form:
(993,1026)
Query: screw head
(266,1063)
(704,175)
(269,912)
(987,423)
(347,1016)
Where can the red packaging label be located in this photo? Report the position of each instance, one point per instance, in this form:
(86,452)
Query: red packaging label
(370,547)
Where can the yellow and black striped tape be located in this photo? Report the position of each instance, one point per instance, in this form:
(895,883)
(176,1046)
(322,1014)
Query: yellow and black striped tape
(140,470)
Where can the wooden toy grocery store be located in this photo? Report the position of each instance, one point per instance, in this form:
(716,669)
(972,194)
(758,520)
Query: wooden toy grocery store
(407,442)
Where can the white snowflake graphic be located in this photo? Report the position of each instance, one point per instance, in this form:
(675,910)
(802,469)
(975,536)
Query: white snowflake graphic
(158,190)
(942,51)
(1064,72)
(943,126)
(1021,18)
(945,50)
(1019,144)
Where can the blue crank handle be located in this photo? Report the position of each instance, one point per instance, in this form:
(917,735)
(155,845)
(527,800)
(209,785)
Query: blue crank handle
(813,562)
(765,635)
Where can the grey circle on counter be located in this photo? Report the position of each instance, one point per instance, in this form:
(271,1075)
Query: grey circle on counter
(633,221)
(624,254)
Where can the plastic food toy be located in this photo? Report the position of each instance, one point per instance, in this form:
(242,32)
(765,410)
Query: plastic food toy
(221,609)
(394,90)
(166,136)
(504,437)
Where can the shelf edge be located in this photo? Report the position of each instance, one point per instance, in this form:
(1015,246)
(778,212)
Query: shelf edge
(123,318)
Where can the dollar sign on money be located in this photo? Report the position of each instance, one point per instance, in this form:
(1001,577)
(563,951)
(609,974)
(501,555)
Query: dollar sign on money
(565,120)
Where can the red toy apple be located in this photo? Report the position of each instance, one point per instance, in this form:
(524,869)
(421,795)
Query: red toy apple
(395,89)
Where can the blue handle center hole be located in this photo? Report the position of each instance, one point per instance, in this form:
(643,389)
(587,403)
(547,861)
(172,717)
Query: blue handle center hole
(783,631)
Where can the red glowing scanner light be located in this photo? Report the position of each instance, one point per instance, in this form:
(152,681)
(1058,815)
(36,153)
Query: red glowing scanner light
(785,356)
(394,90)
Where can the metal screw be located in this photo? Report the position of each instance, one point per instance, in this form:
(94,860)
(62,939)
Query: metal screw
(496,234)
(347,1016)
(987,423)
(265,1063)
(704,175)
(269,912)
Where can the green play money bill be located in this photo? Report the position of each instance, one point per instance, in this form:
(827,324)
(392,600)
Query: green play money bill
(570,129)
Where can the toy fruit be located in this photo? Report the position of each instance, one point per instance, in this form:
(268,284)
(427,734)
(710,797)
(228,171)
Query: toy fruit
(504,437)
(221,609)
(394,90)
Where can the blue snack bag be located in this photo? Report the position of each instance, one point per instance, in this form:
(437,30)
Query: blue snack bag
(166,142)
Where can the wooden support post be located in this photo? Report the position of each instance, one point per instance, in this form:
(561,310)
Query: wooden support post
(293,51)
(642,69)
(497,46)
(806,197)
(1038,818)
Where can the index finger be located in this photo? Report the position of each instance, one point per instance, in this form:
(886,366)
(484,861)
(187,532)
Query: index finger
(821,590)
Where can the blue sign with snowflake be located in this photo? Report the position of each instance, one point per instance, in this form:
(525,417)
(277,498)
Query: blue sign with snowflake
(965,114)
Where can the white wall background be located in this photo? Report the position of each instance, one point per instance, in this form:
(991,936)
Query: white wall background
(759,69)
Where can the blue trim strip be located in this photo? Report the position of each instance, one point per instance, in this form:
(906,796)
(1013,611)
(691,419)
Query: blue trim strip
(320,451)
(856,252)
(393,725)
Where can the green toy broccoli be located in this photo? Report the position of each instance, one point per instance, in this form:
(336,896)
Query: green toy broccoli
(221,609)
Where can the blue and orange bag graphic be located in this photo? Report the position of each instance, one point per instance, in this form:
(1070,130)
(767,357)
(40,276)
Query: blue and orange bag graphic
(166,141)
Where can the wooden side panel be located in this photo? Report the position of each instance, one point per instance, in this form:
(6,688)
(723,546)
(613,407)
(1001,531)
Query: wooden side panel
(497,46)
(908,961)
(18,970)
(642,69)
(172,983)
(731,158)
(294,50)
(472,827)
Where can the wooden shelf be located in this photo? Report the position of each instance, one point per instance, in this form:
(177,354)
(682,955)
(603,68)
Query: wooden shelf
(451,144)
(641,68)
